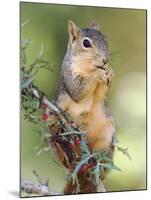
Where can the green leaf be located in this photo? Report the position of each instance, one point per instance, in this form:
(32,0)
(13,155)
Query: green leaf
(109,166)
(84,146)
(107,158)
(24,23)
(40,54)
(25,43)
(25,84)
(96,172)
(72,133)
(78,166)
(44,149)
(124,151)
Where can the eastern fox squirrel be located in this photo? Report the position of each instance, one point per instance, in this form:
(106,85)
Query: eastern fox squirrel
(85,79)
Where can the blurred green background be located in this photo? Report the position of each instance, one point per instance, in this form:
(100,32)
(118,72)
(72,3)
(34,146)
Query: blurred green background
(126,33)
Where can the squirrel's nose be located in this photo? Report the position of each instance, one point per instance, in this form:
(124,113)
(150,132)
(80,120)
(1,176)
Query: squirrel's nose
(105,60)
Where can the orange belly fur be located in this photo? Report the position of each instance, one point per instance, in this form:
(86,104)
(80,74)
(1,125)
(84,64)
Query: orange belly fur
(90,116)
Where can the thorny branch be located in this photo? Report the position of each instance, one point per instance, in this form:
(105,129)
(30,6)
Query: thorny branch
(41,188)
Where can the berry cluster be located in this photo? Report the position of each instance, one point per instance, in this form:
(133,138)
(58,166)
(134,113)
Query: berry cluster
(75,143)
(44,116)
(91,163)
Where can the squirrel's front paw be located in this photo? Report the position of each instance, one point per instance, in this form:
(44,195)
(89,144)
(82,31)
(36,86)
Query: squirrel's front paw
(110,75)
(106,76)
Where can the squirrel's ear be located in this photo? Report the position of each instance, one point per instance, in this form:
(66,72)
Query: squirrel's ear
(73,30)
(94,25)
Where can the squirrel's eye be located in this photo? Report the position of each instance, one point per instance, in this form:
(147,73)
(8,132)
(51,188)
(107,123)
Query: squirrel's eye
(86,43)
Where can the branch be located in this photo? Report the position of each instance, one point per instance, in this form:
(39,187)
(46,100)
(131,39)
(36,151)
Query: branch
(39,188)
(63,117)
(64,150)
(52,107)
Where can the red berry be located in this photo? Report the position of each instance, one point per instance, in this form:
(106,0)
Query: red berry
(77,141)
(83,168)
(44,117)
(90,165)
(72,146)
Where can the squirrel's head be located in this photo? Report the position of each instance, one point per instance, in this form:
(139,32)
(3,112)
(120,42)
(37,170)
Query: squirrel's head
(88,44)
